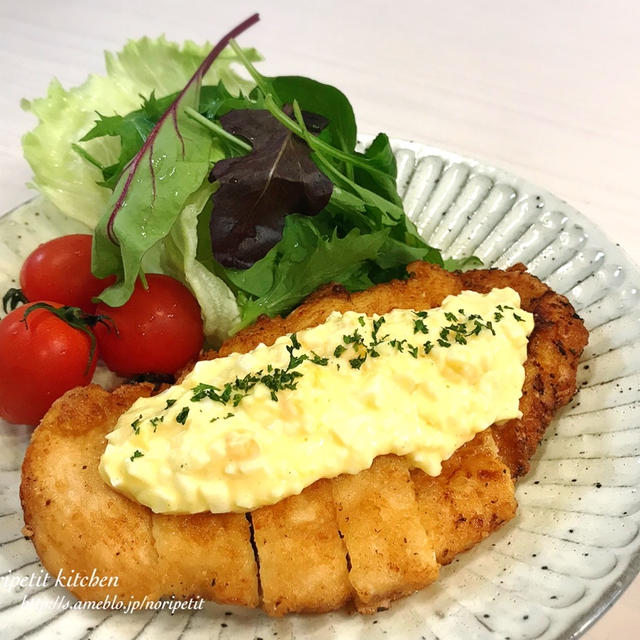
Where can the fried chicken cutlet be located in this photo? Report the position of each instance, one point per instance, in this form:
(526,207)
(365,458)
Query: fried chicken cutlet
(366,538)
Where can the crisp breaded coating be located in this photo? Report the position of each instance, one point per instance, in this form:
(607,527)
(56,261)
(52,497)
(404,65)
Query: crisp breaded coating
(472,497)
(78,523)
(366,538)
(303,565)
(208,556)
(388,547)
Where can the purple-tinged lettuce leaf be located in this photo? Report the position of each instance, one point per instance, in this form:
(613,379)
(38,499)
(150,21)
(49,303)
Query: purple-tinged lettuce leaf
(259,190)
(172,164)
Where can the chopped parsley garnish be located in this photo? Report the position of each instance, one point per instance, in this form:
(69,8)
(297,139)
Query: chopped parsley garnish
(419,326)
(316,359)
(375,338)
(376,327)
(295,361)
(135,425)
(229,415)
(353,338)
(170,403)
(181,418)
(154,422)
(277,379)
(476,329)
(203,390)
(280,379)
(136,454)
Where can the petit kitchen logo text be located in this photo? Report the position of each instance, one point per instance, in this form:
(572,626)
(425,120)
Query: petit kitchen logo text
(68,580)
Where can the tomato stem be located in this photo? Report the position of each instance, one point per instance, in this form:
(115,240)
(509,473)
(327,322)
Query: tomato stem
(12,299)
(77,319)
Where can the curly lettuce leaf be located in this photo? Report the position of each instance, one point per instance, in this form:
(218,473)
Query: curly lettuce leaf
(65,116)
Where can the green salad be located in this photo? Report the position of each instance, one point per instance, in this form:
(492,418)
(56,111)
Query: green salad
(186,160)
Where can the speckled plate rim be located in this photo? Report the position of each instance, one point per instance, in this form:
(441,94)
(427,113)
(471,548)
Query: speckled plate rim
(503,175)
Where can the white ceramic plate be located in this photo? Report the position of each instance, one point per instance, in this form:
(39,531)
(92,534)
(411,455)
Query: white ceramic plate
(574,544)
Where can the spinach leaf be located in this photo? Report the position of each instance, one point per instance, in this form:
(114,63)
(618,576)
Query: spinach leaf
(324,100)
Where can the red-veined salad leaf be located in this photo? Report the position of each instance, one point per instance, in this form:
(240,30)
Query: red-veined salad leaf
(134,128)
(172,163)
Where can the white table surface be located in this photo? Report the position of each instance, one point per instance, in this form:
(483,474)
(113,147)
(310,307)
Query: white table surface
(548,90)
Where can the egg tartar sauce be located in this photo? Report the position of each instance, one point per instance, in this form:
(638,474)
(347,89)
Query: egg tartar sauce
(247,430)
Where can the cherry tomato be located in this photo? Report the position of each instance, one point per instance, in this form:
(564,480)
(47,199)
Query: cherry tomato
(60,270)
(158,330)
(39,361)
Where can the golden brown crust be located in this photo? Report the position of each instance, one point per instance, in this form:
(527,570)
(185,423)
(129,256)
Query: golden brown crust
(68,507)
(208,556)
(369,538)
(303,563)
(388,548)
(472,497)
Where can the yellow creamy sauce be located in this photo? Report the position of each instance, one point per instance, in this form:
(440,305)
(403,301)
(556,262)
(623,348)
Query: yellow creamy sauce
(250,429)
